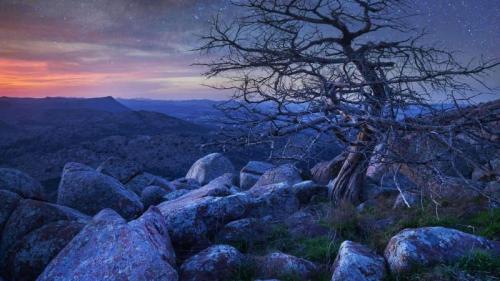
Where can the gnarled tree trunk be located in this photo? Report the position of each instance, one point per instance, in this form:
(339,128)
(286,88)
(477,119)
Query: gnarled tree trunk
(349,182)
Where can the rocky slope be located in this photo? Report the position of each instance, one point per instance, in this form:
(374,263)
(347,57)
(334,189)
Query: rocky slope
(119,222)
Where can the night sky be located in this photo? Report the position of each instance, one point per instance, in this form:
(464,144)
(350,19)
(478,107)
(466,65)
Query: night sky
(141,48)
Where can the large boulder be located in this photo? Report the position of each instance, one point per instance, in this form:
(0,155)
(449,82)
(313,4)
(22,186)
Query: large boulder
(216,263)
(280,265)
(278,200)
(286,173)
(29,256)
(251,173)
(325,171)
(8,203)
(427,246)
(20,183)
(192,220)
(196,215)
(143,180)
(120,169)
(356,262)
(109,248)
(30,215)
(89,191)
(210,167)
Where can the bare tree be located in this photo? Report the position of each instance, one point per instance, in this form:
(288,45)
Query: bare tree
(351,68)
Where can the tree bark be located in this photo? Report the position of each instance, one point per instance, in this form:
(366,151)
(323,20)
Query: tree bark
(347,186)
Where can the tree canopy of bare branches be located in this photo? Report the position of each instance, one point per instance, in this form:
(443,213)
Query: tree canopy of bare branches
(352,68)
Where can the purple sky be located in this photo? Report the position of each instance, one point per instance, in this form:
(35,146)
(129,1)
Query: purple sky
(141,48)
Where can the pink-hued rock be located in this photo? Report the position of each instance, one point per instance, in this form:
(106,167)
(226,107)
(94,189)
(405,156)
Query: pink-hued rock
(428,246)
(356,262)
(216,263)
(109,248)
(195,216)
(88,191)
(210,167)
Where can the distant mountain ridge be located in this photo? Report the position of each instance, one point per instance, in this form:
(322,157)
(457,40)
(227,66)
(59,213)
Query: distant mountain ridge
(40,135)
(197,111)
(17,109)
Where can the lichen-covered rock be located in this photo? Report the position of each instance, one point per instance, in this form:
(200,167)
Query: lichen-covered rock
(279,265)
(277,200)
(8,203)
(143,180)
(191,220)
(88,191)
(152,195)
(30,215)
(356,262)
(325,171)
(29,256)
(286,173)
(187,216)
(109,248)
(210,167)
(120,169)
(152,226)
(216,263)
(251,173)
(18,182)
(427,246)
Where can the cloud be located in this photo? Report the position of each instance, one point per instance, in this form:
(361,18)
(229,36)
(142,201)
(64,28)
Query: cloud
(127,47)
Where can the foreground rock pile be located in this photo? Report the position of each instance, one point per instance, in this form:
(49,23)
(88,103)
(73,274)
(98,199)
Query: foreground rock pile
(118,222)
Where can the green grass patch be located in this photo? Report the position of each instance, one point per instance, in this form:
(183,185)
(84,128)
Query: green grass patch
(487,223)
(480,261)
